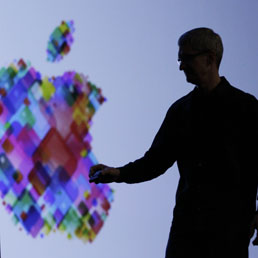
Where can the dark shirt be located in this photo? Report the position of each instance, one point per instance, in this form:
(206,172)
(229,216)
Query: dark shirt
(214,139)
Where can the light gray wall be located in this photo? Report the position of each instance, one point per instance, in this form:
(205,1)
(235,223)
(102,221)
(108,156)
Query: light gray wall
(129,49)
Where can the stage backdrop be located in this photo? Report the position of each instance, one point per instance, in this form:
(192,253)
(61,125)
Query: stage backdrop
(92,81)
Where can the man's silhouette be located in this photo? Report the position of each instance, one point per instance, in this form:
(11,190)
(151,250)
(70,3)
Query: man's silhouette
(212,134)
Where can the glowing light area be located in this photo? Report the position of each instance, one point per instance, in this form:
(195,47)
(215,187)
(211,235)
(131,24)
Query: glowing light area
(60,41)
(45,152)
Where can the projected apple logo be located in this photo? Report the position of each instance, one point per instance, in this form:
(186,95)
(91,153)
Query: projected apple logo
(45,151)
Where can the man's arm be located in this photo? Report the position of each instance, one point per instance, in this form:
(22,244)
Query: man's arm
(155,162)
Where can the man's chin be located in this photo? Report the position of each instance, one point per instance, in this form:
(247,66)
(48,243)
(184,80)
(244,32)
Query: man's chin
(191,80)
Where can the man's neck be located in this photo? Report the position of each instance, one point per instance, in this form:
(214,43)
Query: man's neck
(208,86)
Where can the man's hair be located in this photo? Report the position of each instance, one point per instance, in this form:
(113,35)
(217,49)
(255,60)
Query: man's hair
(203,39)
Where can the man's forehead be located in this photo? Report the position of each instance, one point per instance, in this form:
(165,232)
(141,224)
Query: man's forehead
(185,49)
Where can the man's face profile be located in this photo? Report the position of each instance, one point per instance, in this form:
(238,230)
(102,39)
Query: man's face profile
(193,63)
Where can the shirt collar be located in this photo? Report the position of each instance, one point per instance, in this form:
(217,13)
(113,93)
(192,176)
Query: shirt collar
(219,91)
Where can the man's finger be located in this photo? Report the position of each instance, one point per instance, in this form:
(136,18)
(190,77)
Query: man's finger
(96,176)
(251,233)
(255,242)
(95,168)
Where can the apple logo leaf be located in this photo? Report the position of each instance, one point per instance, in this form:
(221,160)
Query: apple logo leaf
(60,41)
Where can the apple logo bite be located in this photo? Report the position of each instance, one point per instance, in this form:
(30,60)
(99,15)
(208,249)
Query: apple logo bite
(45,151)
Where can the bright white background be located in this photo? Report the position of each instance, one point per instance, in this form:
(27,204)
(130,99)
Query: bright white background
(129,49)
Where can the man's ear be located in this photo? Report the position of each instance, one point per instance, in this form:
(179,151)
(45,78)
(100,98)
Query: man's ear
(211,58)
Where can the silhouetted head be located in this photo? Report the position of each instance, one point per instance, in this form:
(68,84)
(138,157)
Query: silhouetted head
(200,54)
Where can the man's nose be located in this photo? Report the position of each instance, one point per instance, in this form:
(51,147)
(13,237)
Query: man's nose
(181,65)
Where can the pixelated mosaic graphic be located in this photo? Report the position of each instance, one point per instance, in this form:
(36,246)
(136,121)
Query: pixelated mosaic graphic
(60,41)
(45,152)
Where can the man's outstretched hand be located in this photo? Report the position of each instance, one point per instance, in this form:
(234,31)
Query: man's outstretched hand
(254,227)
(103,174)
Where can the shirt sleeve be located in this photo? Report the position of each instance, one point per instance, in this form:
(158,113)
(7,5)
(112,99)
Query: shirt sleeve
(160,156)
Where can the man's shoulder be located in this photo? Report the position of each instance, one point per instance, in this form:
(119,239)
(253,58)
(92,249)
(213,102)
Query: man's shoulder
(240,94)
(179,106)
(240,100)
(182,102)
